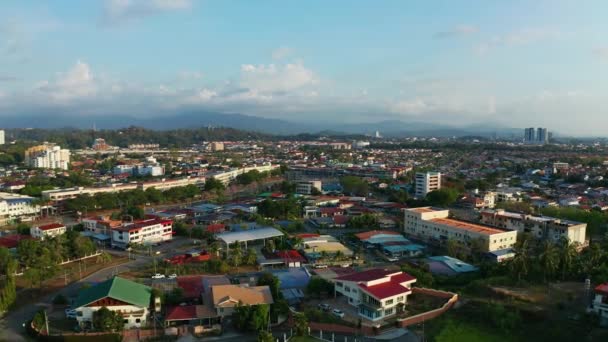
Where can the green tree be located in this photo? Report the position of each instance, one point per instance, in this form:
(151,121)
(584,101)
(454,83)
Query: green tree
(265,336)
(106,320)
(442,197)
(251,257)
(520,264)
(300,324)
(567,256)
(549,259)
(272,282)
(212,184)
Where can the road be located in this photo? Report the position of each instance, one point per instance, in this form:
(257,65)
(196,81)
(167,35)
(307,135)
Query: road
(11,326)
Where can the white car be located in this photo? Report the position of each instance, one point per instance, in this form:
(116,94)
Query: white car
(172,276)
(158,276)
(337,313)
(70,313)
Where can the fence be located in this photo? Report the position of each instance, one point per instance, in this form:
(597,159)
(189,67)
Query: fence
(425,316)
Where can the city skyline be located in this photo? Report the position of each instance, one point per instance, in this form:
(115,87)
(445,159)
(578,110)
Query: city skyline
(513,64)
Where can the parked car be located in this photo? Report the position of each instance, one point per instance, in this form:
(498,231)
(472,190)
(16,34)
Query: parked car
(172,276)
(324,307)
(158,276)
(320,266)
(70,313)
(338,313)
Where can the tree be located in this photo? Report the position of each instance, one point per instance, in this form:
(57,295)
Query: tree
(237,255)
(39,321)
(300,324)
(318,286)
(251,257)
(354,185)
(23,229)
(567,256)
(106,320)
(265,336)
(272,282)
(549,259)
(212,184)
(442,197)
(520,264)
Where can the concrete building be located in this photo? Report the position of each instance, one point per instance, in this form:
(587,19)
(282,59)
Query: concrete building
(541,227)
(47,156)
(427,182)
(2,141)
(130,299)
(14,206)
(377,293)
(599,305)
(542,136)
(47,231)
(216,146)
(306,187)
(529,136)
(142,232)
(434,225)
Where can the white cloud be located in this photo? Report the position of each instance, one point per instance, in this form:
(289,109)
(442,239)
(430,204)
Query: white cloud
(457,31)
(78,82)
(275,78)
(526,36)
(282,53)
(120,11)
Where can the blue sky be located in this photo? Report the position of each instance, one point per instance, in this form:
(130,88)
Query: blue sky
(511,63)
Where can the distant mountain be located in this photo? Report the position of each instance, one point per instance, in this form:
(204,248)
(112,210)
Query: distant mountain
(196,119)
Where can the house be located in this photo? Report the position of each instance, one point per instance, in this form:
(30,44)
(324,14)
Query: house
(129,298)
(145,232)
(226,297)
(600,302)
(47,231)
(376,293)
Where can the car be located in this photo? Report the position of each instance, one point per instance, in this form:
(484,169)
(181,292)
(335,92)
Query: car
(324,307)
(70,313)
(320,266)
(158,276)
(392,259)
(337,313)
(172,276)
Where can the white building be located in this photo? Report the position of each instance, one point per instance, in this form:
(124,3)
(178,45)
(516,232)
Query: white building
(14,206)
(47,156)
(541,227)
(306,187)
(377,293)
(2,142)
(434,225)
(130,299)
(600,302)
(47,231)
(427,182)
(142,232)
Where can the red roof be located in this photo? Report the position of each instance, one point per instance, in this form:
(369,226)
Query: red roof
(11,241)
(216,228)
(385,290)
(192,286)
(602,289)
(307,235)
(291,255)
(178,313)
(340,219)
(367,235)
(51,226)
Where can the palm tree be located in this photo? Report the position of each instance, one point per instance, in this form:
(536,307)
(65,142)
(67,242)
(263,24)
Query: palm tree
(520,265)
(339,255)
(567,255)
(592,256)
(214,248)
(549,259)
(296,241)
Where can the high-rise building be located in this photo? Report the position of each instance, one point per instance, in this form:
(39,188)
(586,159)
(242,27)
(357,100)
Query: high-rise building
(529,135)
(1,137)
(427,182)
(542,135)
(47,156)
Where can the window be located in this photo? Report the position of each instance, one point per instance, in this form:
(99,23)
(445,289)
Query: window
(138,320)
(79,313)
(339,284)
(389,302)
(388,312)
(126,321)
(400,299)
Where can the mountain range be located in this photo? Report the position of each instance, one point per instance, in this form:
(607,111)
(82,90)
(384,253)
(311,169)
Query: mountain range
(388,128)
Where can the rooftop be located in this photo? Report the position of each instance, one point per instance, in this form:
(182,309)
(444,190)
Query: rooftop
(249,235)
(371,233)
(232,294)
(369,275)
(51,226)
(116,288)
(471,227)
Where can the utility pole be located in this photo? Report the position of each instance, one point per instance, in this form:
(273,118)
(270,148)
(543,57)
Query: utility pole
(46,323)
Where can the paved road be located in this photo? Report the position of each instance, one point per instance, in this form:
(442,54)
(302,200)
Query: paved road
(11,325)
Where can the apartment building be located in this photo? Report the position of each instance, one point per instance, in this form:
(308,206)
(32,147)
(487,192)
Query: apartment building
(377,293)
(306,187)
(542,227)
(216,146)
(47,156)
(431,224)
(47,231)
(427,182)
(226,177)
(14,206)
(2,142)
(142,232)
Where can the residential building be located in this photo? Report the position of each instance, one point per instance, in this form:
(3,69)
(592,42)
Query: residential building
(226,297)
(14,206)
(306,187)
(142,232)
(216,146)
(47,156)
(599,305)
(47,231)
(427,182)
(2,142)
(541,227)
(435,225)
(130,299)
(377,293)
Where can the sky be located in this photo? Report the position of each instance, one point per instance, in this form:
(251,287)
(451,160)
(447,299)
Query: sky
(516,63)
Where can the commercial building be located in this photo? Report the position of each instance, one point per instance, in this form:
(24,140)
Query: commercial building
(130,299)
(541,227)
(306,187)
(529,136)
(2,142)
(377,293)
(47,156)
(427,182)
(47,231)
(435,225)
(542,136)
(142,232)
(14,206)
